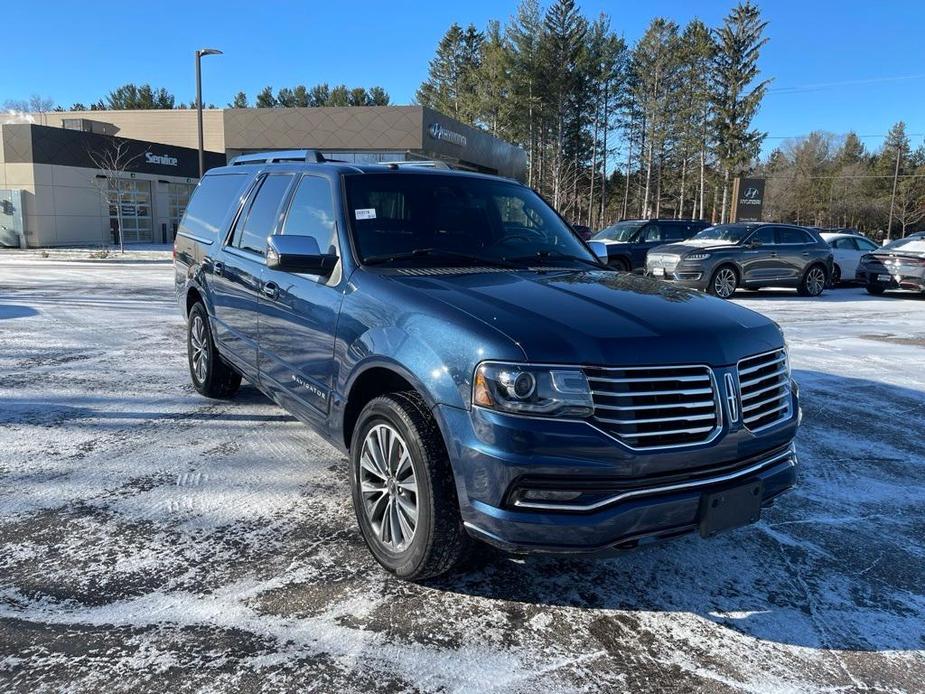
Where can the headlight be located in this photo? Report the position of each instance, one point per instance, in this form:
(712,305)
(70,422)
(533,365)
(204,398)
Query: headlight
(697,256)
(532,390)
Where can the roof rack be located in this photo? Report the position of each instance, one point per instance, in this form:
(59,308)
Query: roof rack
(297,155)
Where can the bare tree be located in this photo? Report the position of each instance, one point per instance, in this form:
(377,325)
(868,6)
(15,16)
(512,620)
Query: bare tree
(909,206)
(114,160)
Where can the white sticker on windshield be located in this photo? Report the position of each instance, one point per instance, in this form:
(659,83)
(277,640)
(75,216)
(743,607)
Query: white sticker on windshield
(365,213)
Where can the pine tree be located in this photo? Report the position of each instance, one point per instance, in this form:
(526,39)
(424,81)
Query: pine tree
(378,96)
(319,95)
(493,82)
(735,95)
(239,101)
(265,98)
(523,35)
(451,74)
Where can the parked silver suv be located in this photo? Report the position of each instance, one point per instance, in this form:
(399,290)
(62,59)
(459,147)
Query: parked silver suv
(722,258)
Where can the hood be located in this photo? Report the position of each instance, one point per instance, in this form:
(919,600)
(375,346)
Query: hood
(603,318)
(693,244)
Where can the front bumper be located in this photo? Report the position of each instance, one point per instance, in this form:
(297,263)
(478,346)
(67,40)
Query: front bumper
(625,498)
(687,275)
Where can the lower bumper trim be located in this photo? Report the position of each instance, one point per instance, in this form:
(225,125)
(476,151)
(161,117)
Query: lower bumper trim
(788,457)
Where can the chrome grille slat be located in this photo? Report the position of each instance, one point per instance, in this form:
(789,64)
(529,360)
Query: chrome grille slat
(683,400)
(759,376)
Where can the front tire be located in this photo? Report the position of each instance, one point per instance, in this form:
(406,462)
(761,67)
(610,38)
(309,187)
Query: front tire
(723,283)
(404,493)
(813,282)
(210,375)
(875,289)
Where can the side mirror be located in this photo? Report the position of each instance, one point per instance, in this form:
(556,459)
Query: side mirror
(600,250)
(298,254)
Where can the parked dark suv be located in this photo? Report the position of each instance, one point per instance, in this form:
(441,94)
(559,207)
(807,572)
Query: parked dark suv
(488,377)
(629,241)
(724,257)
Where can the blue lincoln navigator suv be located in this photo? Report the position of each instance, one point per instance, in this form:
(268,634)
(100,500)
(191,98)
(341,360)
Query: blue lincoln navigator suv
(488,377)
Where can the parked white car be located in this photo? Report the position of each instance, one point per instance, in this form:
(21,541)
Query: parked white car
(847,250)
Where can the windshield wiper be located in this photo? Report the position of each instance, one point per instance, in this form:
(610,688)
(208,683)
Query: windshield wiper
(541,256)
(434,253)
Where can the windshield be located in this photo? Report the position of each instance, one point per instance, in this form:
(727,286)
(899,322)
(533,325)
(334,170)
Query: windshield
(621,231)
(731,233)
(402,218)
(911,245)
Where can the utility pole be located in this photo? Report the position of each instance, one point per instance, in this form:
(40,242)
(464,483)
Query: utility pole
(889,226)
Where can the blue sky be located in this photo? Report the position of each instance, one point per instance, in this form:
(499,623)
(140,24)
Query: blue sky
(837,66)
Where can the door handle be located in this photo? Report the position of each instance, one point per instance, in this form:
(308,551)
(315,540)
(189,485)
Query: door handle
(218,267)
(773,254)
(806,253)
(271,290)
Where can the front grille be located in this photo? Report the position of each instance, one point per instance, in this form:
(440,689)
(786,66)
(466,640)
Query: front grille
(764,387)
(663,260)
(655,407)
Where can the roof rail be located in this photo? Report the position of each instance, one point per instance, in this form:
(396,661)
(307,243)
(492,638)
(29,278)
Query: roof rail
(411,163)
(297,155)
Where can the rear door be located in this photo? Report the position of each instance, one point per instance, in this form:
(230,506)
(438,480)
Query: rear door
(795,250)
(761,263)
(849,266)
(299,311)
(238,272)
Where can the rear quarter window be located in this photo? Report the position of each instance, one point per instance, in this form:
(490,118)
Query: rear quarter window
(212,204)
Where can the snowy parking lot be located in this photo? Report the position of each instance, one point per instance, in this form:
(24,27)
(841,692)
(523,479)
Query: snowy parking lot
(152,540)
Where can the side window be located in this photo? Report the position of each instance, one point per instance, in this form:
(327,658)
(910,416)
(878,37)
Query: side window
(845,244)
(792,236)
(765,235)
(215,198)
(311,213)
(652,233)
(675,232)
(251,233)
(866,244)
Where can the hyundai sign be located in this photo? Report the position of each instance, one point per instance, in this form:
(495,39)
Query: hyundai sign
(747,199)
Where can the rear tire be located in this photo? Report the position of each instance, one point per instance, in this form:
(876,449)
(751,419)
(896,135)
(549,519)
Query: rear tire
(210,374)
(724,282)
(813,282)
(875,289)
(408,512)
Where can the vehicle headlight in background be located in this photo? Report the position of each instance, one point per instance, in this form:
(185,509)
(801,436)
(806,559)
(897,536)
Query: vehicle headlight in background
(697,256)
(533,390)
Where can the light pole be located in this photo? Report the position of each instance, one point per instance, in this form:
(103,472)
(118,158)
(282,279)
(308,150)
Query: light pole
(199,53)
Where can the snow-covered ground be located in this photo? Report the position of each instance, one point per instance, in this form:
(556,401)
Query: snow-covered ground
(152,540)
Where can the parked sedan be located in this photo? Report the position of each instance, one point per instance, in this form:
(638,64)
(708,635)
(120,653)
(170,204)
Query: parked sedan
(629,241)
(898,265)
(847,249)
(748,255)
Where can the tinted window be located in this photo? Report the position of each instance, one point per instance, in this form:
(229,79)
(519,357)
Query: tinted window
(311,213)
(652,232)
(765,235)
(789,235)
(465,218)
(263,215)
(674,232)
(866,244)
(844,244)
(213,200)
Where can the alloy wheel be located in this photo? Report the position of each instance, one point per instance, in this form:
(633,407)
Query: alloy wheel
(724,283)
(199,342)
(388,487)
(815,281)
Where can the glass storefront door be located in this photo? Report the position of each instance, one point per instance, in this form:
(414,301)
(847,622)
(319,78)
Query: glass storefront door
(178,194)
(134,197)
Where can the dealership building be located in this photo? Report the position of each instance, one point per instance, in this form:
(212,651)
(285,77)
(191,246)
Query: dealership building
(53,191)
